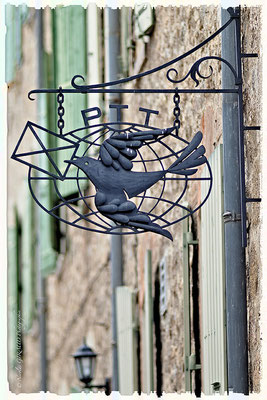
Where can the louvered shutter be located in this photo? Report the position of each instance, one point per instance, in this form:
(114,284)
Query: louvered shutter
(126,340)
(148,376)
(213,280)
(189,358)
(70,59)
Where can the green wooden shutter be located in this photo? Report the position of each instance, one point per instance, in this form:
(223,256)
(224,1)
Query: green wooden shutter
(14,18)
(127,340)
(28,275)
(213,280)
(47,223)
(13,294)
(70,59)
(147,343)
(46,117)
(94,51)
(10,17)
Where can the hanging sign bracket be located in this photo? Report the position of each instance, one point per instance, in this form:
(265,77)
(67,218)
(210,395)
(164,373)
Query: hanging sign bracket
(131,180)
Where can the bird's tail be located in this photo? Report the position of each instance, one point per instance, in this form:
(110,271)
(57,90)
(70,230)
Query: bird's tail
(152,227)
(192,156)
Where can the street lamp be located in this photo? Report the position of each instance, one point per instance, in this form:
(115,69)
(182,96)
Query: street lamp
(85,362)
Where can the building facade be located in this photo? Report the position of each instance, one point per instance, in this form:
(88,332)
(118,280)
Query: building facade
(171,304)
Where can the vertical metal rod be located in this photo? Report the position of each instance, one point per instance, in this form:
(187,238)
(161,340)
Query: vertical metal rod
(148,337)
(40,280)
(112,51)
(236,306)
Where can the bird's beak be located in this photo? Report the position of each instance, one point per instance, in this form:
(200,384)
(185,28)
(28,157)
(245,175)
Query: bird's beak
(74,162)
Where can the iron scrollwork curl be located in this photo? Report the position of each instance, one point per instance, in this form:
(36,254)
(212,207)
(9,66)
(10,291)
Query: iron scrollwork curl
(194,71)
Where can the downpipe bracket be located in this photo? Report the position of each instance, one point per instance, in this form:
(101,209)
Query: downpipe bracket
(230,216)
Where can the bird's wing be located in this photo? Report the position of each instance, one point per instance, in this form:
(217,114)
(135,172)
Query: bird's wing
(120,149)
(191,156)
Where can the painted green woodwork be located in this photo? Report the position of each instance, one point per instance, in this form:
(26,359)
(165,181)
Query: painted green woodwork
(95,54)
(69,60)
(46,222)
(14,18)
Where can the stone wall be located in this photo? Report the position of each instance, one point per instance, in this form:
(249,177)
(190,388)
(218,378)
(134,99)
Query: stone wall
(18,106)
(252,70)
(79,305)
(176,31)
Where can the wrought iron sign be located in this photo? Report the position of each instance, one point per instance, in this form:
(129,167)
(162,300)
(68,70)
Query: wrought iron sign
(129,165)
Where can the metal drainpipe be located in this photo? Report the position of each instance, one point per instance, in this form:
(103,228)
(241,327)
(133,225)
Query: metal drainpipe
(41,297)
(236,305)
(112,51)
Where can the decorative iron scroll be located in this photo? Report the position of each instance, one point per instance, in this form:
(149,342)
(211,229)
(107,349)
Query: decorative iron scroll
(125,160)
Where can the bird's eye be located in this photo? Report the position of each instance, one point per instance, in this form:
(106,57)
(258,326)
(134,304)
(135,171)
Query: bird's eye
(86,163)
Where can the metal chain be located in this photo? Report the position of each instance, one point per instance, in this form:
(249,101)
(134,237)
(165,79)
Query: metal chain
(176,111)
(60,110)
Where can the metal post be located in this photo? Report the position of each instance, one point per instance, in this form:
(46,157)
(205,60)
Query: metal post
(40,279)
(236,306)
(116,280)
(112,51)
(187,324)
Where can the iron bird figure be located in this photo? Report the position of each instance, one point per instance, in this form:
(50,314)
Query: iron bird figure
(115,182)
